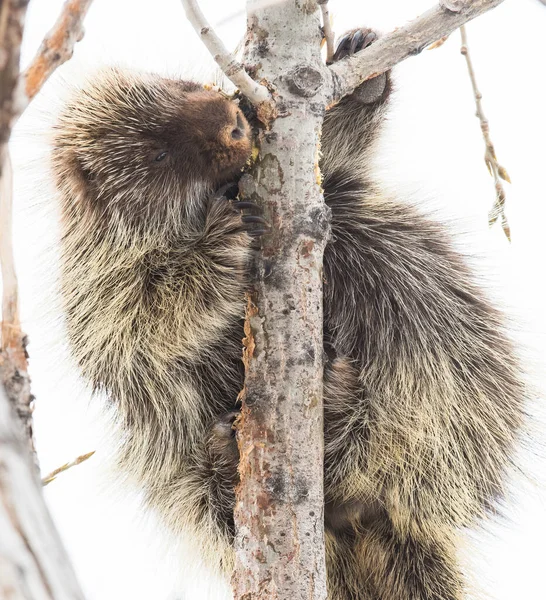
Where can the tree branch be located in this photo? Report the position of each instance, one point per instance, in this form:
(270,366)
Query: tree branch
(495,169)
(57,46)
(406,41)
(15,93)
(13,359)
(327,29)
(279,511)
(231,68)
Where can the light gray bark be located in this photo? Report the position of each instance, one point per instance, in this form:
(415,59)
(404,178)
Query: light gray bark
(279,510)
(33,563)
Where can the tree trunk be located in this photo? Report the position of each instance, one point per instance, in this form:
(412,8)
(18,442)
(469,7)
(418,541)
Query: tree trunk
(279,509)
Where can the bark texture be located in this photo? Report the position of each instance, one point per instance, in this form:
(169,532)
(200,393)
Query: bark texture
(33,563)
(279,509)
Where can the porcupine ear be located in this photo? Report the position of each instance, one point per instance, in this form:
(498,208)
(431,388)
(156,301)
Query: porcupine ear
(69,172)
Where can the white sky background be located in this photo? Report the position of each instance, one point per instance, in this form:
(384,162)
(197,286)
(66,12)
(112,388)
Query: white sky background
(432,149)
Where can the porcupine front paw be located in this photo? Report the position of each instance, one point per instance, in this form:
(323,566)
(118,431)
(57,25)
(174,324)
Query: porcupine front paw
(247,215)
(373,90)
(223,443)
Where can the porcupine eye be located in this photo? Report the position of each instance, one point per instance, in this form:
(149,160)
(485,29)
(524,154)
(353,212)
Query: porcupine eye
(161,156)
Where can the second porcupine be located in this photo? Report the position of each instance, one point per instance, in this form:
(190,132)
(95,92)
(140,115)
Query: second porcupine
(423,390)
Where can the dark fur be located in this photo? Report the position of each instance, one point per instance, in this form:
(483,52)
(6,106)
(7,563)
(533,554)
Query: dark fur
(423,391)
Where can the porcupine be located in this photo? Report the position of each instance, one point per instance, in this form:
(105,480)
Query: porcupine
(424,395)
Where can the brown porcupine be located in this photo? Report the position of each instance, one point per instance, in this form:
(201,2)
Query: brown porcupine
(423,390)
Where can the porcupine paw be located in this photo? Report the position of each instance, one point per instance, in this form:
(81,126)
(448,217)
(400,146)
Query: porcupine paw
(223,441)
(371,91)
(249,213)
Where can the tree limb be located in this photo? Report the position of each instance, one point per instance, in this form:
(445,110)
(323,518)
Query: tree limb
(279,512)
(495,169)
(406,41)
(13,358)
(15,93)
(57,46)
(327,29)
(231,68)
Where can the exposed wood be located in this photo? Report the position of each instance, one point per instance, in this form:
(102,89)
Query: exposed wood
(57,46)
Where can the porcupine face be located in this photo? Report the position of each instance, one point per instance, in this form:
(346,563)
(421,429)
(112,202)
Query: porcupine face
(132,144)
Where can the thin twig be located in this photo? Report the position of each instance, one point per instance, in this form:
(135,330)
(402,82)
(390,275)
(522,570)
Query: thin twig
(498,172)
(57,46)
(328,31)
(232,69)
(77,461)
(402,43)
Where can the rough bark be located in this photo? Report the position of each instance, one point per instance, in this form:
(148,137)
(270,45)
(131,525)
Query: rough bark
(279,509)
(33,563)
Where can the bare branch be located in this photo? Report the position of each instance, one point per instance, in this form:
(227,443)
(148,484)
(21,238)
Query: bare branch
(495,169)
(328,31)
(57,46)
(77,461)
(13,357)
(406,41)
(232,69)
